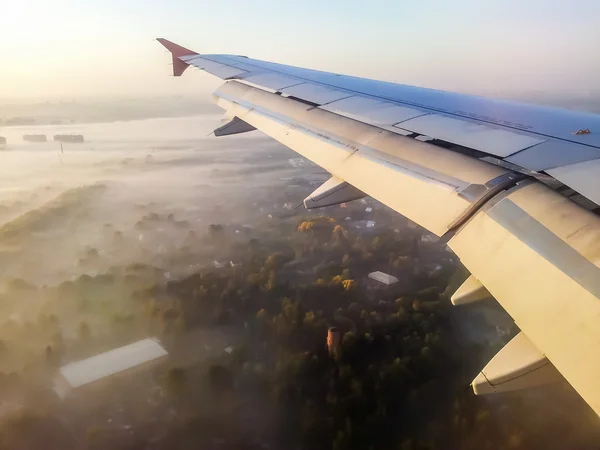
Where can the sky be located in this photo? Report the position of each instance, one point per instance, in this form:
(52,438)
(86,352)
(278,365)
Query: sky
(68,49)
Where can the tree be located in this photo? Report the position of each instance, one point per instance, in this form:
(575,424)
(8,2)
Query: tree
(26,428)
(376,244)
(290,310)
(220,378)
(175,381)
(57,343)
(309,318)
(339,234)
(276,260)
(215,229)
(401,261)
(52,358)
(169,321)
(272,281)
(337,280)
(84,332)
(341,441)
(253,279)
(348,284)
(349,340)
(306,226)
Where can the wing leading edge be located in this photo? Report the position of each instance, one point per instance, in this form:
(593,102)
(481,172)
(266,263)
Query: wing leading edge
(424,153)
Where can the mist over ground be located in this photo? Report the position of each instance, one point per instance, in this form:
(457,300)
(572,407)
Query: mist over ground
(154,227)
(93,109)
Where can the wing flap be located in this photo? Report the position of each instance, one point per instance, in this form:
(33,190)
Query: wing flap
(584,177)
(536,252)
(373,112)
(333,192)
(484,138)
(469,292)
(315,93)
(552,154)
(380,163)
(518,365)
(235,125)
(273,81)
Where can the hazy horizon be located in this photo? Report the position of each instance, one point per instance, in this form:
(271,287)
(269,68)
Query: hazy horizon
(66,49)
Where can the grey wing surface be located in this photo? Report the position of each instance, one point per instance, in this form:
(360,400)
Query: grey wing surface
(512,187)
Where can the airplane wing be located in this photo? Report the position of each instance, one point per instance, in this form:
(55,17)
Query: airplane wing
(513,188)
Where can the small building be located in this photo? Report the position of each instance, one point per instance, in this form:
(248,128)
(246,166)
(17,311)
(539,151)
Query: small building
(122,360)
(68,138)
(383,278)
(35,137)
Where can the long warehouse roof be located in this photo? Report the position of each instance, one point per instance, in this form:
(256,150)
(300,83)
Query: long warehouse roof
(112,362)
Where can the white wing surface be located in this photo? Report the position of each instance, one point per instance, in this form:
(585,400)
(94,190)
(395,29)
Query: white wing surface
(513,188)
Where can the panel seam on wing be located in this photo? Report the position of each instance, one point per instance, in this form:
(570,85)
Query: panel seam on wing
(429,108)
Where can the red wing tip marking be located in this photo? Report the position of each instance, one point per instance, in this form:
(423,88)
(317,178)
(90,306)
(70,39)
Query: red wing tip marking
(177,50)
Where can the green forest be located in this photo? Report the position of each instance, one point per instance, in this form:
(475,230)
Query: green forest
(398,380)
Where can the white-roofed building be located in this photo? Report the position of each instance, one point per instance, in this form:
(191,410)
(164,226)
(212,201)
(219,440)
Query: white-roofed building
(383,278)
(114,362)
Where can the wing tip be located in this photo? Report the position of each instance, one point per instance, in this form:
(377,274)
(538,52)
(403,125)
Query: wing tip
(176,49)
